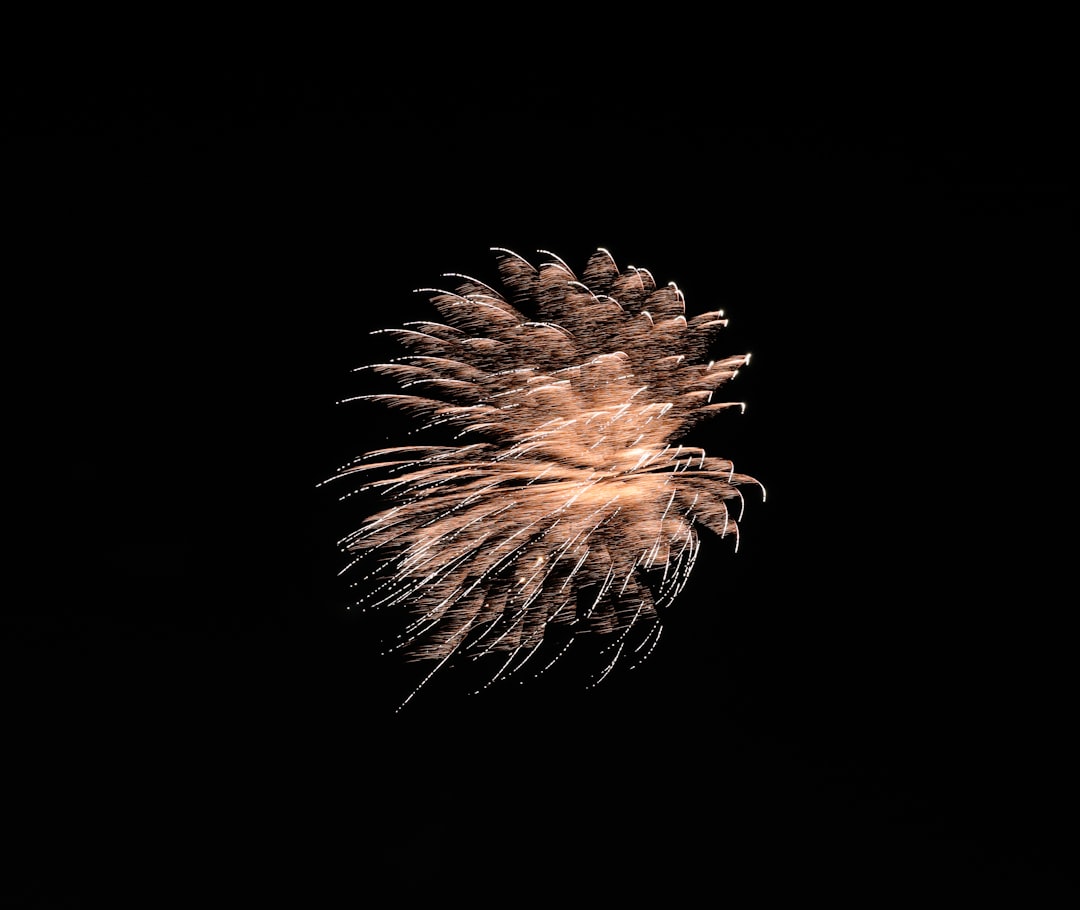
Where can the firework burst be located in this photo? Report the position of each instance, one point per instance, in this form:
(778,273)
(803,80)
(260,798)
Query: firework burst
(563,503)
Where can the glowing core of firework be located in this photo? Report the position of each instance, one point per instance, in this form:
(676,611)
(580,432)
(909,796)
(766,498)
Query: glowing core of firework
(564,501)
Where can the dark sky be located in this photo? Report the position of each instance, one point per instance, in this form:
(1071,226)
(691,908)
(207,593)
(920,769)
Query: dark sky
(869,693)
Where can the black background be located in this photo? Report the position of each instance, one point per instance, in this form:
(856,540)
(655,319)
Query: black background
(871,695)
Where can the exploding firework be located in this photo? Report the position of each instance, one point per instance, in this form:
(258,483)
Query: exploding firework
(563,507)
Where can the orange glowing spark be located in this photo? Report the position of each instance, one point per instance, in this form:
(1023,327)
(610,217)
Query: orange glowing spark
(565,504)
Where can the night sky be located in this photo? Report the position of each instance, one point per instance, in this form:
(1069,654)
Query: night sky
(869,696)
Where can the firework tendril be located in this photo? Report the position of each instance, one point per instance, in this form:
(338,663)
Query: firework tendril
(564,508)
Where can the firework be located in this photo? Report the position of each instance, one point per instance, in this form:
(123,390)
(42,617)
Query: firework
(561,505)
